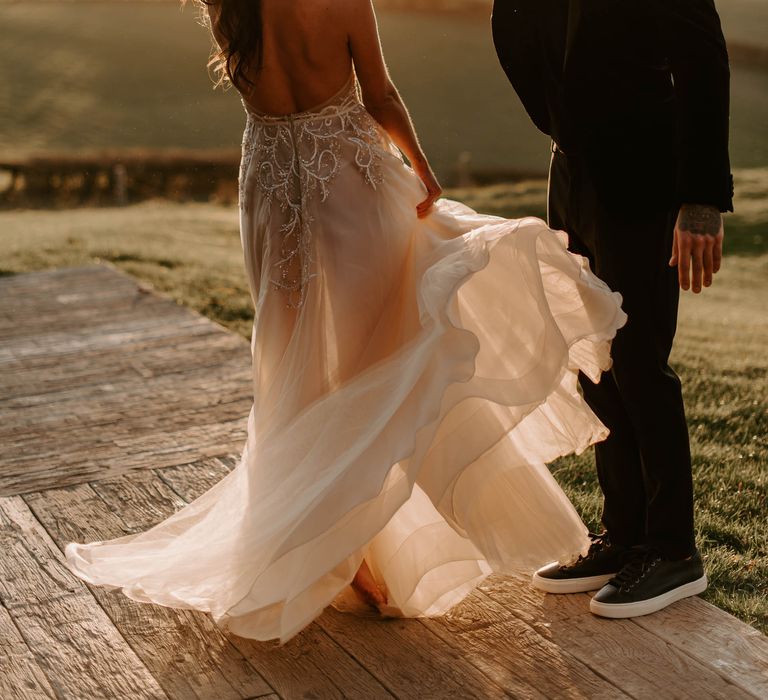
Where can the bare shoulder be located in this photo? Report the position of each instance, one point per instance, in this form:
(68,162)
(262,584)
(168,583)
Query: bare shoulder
(352,12)
(365,46)
(351,18)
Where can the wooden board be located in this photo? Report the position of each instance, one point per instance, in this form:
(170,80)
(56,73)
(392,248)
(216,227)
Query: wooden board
(73,641)
(736,651)
(20,674)
(409,660)
(183,649)
(640,663)
(100,377)
(515,654)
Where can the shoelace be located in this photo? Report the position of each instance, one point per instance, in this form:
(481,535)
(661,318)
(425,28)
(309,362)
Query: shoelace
(598,543)
(635,569)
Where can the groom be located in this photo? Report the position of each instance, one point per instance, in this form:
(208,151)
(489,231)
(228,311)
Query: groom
(634,94)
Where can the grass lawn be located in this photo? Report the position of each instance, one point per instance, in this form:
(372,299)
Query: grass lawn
(192,252)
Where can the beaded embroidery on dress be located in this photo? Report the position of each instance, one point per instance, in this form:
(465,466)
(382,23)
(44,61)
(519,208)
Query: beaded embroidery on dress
(411,380)
(297,158)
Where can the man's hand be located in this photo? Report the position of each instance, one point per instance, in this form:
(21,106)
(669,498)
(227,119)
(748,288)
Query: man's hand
(699,243)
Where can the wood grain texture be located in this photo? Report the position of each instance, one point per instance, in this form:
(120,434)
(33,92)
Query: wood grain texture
(640,663)
(515,655)
(100,377)
(734,650)
(184,649)
(20,674)
(411,661)
(73,641)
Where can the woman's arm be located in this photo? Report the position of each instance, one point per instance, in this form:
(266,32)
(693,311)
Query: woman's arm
(381,97)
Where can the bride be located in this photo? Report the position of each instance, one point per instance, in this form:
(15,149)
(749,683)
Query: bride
(414,362)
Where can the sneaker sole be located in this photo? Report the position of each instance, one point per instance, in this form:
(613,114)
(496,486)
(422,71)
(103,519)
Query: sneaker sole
(571,585)
(652,605)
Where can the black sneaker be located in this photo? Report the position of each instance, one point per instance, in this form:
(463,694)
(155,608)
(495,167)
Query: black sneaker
(588,573)
(649,582)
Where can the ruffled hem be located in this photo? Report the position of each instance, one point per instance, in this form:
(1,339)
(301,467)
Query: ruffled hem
(443,514)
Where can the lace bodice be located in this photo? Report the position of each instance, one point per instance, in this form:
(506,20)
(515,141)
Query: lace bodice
(293,159)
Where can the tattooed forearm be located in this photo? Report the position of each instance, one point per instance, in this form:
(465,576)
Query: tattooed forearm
(700,218)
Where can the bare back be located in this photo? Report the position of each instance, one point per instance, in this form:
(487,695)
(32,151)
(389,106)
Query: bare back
(307,55)
(310,47)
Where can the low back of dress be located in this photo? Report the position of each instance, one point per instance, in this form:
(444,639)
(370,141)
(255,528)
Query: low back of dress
(306,56)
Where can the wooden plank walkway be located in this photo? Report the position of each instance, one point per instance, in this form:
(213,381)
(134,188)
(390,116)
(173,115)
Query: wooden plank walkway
(117,406)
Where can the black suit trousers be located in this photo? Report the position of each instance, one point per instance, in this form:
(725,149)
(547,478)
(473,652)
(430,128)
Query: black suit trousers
(644,466)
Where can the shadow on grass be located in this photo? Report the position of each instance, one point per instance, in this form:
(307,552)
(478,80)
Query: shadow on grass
(132,257)
(226,311)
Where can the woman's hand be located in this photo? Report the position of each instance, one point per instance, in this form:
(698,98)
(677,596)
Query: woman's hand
(433,189)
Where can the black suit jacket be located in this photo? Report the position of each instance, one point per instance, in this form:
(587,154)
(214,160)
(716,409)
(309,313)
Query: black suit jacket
(639,89)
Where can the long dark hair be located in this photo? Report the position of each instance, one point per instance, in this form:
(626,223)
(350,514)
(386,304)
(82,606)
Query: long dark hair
(239,24)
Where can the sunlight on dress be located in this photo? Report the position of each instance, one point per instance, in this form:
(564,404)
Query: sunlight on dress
(411,379)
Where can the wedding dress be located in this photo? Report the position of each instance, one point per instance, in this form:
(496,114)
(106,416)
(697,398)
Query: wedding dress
(411,379)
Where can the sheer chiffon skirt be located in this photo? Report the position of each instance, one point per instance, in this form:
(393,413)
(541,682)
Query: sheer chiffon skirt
(404,413)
